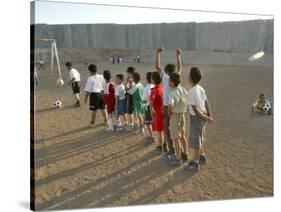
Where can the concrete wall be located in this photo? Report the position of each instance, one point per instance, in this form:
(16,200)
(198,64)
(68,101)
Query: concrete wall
(242,37)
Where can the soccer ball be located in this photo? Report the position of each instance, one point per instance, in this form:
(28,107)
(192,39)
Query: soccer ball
(60,82)
(266,107)
(57,104)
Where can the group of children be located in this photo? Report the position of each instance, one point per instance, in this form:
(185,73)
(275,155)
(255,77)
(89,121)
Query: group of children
(157,110)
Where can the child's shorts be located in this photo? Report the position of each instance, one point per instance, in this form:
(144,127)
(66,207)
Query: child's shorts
(110,107)
(121,107)
(177,125)
(139,109)
(130,105)
(75,87)
(147,115)
(109,104)
(158,121)
(96,102)
(197,132)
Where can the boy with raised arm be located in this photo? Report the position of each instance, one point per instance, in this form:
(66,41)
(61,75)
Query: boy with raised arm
(165,76)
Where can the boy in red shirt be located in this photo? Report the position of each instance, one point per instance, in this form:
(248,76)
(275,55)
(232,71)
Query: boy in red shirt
(156,99)
(109,98)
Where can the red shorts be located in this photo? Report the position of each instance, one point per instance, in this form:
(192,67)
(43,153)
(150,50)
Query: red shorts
(158,122)
(110,103)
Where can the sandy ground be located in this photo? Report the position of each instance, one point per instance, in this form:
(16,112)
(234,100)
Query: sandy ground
(78,166)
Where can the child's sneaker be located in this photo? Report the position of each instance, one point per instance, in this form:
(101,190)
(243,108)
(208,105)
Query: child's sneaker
(175,162)
(169,156)
(77,104)
(119,128)
(92,124)
(130,128)
(109,129)
(193,166)
(139,131)
(149,140)
(184,157)
(203,159)
(157,150)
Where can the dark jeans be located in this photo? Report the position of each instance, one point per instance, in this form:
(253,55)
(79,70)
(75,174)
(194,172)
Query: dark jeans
(168,139)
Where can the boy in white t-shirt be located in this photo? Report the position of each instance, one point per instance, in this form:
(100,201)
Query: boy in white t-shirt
(200,113)
(94,88)
(164,73)
(74,76)
(120,102)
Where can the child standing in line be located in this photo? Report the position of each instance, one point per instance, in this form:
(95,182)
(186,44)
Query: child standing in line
(129,97)
(156,101)
(120,102)
(177,109)
(74,81)
(200,113)
(137,92)
(165,74)
(94,89)
(109,99)
(147,110)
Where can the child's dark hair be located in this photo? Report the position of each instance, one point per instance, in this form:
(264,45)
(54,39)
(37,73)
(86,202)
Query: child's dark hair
(148,76)
(262,95)
(155,76)
(136,77)
(120,76)
(68,64)
(175,78)
(131,70)
(106,75)
(93,68)
(170,68)
(195,75)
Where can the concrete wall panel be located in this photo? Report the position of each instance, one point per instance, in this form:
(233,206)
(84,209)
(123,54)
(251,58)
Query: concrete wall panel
(240,37)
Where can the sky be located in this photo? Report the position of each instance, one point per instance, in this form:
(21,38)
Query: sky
(75,13)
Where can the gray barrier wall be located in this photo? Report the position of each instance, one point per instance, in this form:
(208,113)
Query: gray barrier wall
(242,37)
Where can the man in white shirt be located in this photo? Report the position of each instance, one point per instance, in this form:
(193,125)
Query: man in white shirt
(74,82)
(164,73)
(94,88)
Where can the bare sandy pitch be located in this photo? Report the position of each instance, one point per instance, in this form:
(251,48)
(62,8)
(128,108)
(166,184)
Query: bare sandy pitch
(78,166)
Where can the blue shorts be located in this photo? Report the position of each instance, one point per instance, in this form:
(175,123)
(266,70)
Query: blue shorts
(147,115)
(121,107)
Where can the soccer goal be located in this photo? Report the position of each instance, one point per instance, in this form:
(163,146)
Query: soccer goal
(54,54)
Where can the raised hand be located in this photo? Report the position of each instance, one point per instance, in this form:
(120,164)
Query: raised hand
(178,52)
(161,49)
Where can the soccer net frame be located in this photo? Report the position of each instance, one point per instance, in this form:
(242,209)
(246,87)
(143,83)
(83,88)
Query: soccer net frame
(54,53)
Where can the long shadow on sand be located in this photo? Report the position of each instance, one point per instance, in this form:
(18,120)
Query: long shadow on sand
(73,194)
(77,146)
(117,189)
(90,165)
(64,134)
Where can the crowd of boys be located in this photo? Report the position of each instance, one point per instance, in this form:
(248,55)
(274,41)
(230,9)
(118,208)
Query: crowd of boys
(156,111)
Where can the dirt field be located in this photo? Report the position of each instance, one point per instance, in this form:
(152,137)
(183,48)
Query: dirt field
(78,166)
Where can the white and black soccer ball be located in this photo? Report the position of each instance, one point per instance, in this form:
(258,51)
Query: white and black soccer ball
(266,107)
(57,104)
(60,82)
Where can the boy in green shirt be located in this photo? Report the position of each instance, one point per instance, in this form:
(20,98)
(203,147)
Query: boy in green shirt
(137,92)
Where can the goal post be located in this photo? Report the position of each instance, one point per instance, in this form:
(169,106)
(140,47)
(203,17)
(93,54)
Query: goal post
(54,53)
